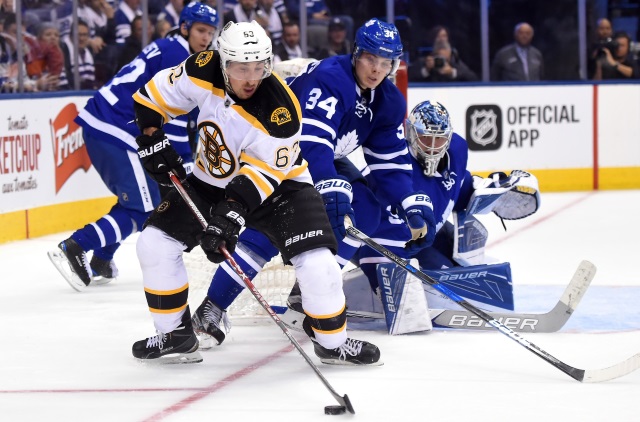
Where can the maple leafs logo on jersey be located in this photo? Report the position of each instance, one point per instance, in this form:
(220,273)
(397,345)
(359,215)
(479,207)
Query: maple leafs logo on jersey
(204,58)
(346,144)
(281,116)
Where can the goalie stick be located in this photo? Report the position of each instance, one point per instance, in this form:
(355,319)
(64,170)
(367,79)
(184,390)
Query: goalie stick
(342,400)
(582,375)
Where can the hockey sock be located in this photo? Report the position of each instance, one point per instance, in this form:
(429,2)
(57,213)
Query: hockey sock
(114,227)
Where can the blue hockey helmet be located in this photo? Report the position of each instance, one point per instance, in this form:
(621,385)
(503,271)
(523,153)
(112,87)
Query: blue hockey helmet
(199,12)
(428,131)
(379,38)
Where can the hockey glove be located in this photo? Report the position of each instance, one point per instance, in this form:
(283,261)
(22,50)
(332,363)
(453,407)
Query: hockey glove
(158,157)
(223,229)
(417,211)
(337,195)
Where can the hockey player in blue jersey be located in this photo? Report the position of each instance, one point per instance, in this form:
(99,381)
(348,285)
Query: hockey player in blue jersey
(109,133)
(347,102)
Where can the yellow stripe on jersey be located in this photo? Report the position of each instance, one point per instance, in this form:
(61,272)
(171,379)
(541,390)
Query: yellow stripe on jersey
(263,166)
(297,171)
(149,104)
(167,292)
(167,311)
(157,96)
(294,99)
(208,86)
(256,178)
(249,118)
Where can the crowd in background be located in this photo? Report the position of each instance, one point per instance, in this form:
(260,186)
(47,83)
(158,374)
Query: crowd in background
(439,45)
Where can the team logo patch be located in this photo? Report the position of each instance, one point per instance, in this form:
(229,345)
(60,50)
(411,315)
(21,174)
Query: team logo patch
(214,157)
(163,206)
(204,58)
(281,116)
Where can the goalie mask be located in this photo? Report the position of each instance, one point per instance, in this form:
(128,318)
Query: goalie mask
(428,131)
(245,52)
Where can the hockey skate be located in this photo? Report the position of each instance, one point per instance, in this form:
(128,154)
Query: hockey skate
(71,262)
(102,271)
(352,352)
(210,323)
(178,346)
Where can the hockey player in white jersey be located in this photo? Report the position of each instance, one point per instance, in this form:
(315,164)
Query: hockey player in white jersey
(109,133)
(248,170)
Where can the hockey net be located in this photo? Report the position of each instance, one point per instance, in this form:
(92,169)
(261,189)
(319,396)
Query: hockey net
(275,281)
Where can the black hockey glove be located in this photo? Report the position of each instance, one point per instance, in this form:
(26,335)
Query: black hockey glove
(224,227)
(158,157)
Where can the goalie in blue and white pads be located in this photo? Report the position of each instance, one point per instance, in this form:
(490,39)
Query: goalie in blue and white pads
(456,255)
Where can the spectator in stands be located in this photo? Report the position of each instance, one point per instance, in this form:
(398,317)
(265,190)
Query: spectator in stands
(615,61)
(338,42)
(318,17)
(171,12)
(125,14)
(100,17)
(46,58)
(441,33)
(244,11)
(133,44)
(289,48)
(162,28)
(441,66)
(85,64)
(519,61)
(13,66)
(269,18)
(603,33)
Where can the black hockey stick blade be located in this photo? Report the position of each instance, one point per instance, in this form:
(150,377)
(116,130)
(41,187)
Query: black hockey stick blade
(598,375)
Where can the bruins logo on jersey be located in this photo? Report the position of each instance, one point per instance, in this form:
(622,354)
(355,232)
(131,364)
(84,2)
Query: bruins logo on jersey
(164,205)
(214,157)
(281,116)
(204,58)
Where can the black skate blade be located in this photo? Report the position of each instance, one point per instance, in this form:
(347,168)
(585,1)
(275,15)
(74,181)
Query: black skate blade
(173,359)
(62,265)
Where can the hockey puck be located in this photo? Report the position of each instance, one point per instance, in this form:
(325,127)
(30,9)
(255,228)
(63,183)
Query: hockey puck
(334,410)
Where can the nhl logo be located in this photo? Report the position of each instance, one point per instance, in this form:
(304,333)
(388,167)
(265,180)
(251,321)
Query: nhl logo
(484,127)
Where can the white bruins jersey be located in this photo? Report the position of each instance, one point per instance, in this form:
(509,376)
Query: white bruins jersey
(239,141)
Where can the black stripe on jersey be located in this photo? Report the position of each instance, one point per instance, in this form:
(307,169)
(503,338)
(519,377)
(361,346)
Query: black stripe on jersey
(205,66)
(328,325)
(164,303)
(242,189)
(275,106)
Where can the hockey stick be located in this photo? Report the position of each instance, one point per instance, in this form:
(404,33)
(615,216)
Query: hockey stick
(343,400)
(582,375)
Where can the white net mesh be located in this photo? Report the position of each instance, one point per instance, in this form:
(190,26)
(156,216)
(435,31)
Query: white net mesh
(274,283)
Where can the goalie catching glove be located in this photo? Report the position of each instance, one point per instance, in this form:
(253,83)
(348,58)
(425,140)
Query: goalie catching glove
(337,195)
(509,197)
(417,210)
(227,219)
(158,157)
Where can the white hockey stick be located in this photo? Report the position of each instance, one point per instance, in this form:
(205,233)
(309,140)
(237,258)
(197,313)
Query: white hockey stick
(343,400)
(582,375)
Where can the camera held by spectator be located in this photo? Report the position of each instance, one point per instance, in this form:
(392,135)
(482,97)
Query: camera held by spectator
(609,44)
(441,66)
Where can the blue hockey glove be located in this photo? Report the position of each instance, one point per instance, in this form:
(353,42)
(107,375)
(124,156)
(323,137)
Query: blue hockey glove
(158,157)
(417,211)
(337,195)
(223,229)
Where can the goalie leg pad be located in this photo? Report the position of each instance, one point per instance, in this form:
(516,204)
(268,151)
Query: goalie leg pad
(403,300)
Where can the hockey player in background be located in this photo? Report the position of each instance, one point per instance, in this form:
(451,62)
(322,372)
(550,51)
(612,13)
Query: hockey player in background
(248,170)
(109,133)
(347,102)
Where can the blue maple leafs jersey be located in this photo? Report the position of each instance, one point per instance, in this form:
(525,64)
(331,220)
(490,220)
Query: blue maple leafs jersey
(338,117)
(449,189)
(109,114)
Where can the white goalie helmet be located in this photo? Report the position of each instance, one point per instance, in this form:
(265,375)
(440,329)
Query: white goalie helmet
(428,130)
(245,42)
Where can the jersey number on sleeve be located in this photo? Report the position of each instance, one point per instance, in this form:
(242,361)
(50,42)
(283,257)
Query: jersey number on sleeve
(328,105)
